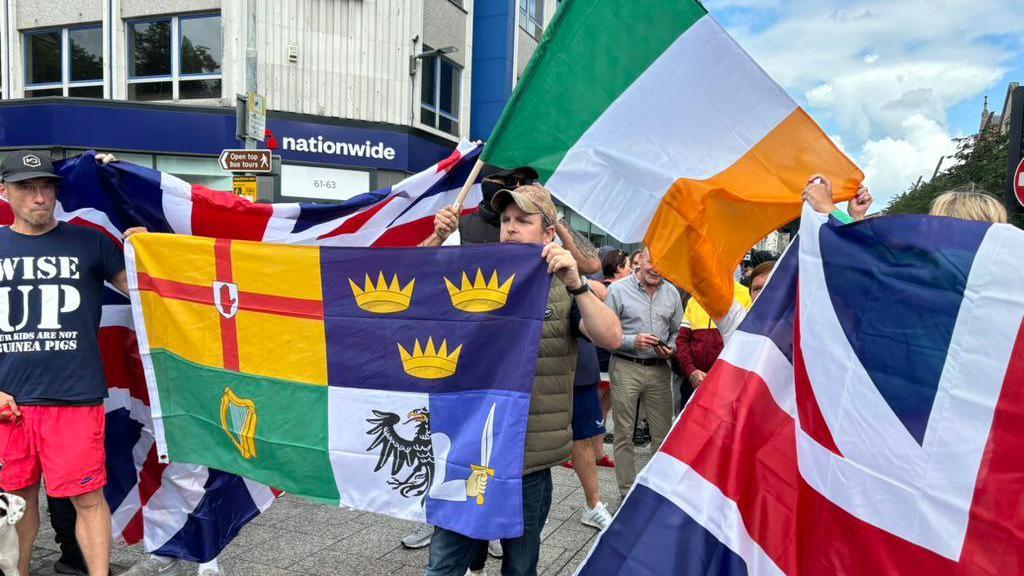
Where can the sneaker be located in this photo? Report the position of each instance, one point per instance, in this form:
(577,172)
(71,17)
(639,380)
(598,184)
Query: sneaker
(480,573)
(420,538)
(606,461)
(494,548)
(567,464)
(596,517)
(210,571)
(61,567)
(157,566)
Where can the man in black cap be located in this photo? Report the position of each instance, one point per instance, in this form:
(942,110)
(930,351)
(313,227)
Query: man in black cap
(52,382)
(483,226)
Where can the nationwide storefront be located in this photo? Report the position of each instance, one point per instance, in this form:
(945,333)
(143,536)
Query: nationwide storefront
(320,159)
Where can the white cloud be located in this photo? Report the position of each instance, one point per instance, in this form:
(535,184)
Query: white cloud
(882,75)
(821,96)
(893,163)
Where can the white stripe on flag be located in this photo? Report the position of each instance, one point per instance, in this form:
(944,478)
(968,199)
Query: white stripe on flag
(177,203)
(261,495)
(120,398)
(759,354)
(182,488)
(147,360)
(117,315)
(708,506)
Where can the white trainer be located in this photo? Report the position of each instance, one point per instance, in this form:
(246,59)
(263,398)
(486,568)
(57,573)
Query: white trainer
(420,538)
(494,548)
(157,566)
(596,517)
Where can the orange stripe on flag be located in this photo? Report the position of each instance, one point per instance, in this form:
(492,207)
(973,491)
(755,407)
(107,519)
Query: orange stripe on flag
(703,228)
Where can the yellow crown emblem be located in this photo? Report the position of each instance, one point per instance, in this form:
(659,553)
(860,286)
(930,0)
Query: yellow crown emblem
(429,363)
(479,296)
(384,298)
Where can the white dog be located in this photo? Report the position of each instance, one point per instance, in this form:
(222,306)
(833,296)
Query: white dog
(12,508)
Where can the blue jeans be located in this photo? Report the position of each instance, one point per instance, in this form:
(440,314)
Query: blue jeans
(451,552)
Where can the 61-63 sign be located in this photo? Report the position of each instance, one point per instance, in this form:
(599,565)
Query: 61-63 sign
(247,160)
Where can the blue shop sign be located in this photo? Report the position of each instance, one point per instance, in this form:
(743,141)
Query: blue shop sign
(182,129)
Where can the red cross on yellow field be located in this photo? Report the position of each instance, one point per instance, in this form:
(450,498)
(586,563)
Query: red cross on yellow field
(242,311)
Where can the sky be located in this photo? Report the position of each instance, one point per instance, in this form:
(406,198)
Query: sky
(892,82)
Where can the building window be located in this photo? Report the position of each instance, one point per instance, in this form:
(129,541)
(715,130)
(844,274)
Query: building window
(175,58)
(439,93)
(531,16)
(64,62)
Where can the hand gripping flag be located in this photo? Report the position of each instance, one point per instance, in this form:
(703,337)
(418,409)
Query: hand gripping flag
(866,418)
(651,122)
(392,381)
(181,510)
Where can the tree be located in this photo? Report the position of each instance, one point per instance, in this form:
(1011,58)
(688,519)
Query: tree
(979,160)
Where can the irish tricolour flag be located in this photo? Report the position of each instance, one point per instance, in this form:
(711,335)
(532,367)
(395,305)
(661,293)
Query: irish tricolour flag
(648,119)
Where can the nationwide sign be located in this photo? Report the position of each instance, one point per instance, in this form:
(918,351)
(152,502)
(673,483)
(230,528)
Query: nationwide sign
(246,160)
(318,145)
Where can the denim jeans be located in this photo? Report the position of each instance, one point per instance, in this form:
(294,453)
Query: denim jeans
(451,552)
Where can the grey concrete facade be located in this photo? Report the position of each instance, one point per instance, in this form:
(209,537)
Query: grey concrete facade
(58,13)
(446,24)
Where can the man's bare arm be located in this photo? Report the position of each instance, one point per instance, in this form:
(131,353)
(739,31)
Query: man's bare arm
(582,250)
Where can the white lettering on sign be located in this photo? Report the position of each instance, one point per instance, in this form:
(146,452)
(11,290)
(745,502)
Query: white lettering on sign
(246,160)
(1020,180)
(318,145)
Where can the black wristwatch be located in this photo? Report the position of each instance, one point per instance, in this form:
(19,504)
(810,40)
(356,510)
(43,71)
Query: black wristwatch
(583,289)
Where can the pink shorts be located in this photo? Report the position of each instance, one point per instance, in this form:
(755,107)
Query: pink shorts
(62,443)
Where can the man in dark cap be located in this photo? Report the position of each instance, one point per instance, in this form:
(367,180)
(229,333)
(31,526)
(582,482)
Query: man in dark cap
(483,226)
(52,382)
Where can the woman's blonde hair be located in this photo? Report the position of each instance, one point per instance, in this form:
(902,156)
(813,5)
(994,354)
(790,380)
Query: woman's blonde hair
(969,205)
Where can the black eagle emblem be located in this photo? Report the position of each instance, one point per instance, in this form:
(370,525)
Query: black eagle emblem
(402,453)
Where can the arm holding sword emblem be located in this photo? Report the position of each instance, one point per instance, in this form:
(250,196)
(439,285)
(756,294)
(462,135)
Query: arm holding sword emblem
(476,484)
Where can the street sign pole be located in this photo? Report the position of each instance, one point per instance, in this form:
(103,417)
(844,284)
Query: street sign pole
(1014,200)
(250,64)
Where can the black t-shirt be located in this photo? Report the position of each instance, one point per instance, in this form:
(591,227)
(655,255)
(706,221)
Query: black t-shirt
(51,289)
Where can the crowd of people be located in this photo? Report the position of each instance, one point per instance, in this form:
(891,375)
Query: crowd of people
(616,337)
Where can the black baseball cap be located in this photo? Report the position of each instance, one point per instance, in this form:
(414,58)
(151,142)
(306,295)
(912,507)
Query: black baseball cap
(524,174)
(24,164)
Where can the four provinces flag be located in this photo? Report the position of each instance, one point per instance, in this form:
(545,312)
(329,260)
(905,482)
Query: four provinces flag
(396,381)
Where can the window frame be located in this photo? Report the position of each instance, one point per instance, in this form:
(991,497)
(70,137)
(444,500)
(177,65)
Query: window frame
(175,77)
(535,20)
(65,83)
(436,107)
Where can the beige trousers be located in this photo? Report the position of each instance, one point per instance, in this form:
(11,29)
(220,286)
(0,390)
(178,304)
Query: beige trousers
(653,386)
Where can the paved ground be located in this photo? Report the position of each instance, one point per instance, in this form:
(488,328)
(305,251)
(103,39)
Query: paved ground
(297,538)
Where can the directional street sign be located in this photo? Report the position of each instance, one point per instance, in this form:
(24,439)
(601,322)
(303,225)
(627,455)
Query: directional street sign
(246,160)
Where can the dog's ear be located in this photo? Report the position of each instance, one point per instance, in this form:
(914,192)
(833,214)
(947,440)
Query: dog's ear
(5,505)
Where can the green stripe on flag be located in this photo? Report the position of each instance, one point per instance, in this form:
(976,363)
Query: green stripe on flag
(291,426)
(591,52)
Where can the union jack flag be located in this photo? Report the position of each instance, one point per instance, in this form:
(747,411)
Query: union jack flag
(179,510)
(867,417)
